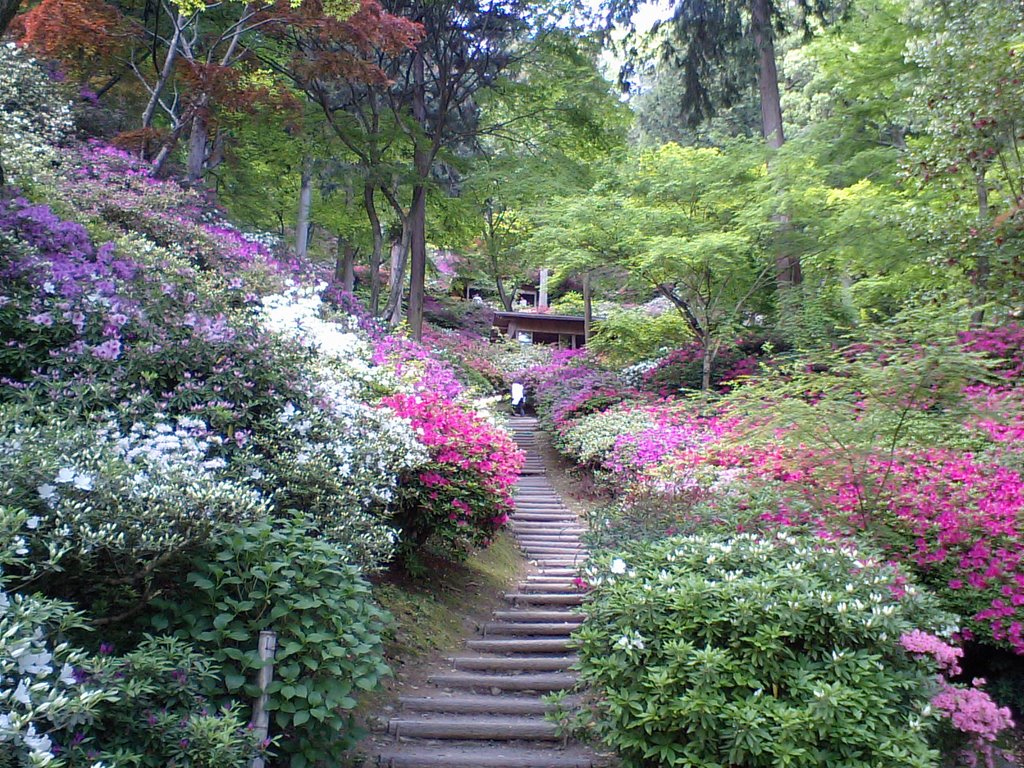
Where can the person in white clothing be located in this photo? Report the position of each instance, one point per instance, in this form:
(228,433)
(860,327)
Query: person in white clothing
(518,398)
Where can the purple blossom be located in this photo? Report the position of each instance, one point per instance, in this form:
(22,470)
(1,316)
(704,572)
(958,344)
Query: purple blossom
(109,350)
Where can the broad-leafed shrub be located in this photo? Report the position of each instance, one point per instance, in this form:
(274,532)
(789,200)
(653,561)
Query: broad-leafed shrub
(158,713)
(736,651)
(281,576)
(112,510)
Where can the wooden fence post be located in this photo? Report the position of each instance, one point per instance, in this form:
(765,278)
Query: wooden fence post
(260,717)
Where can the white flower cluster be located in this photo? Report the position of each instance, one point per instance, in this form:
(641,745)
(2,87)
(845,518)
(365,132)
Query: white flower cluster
(633,375)
(592,437)
(343,467)
(34,117)
(184,445)
(38,690)
(343,366)
(136,495)
(296,314)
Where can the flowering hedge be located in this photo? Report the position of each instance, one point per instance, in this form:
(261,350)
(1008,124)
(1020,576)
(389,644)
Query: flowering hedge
(950,514)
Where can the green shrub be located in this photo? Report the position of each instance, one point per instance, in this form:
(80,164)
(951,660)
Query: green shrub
(281,577)
(711,651)
(590,438)
(160,716)
(630,335)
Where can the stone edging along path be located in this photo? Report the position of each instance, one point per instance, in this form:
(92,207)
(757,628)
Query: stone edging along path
(486,709)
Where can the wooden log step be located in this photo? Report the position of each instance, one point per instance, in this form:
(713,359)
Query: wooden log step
(493,629)
(565,598)
(482,727)
(557,571)
(521,645)
(566,616)
(569,582)
(540,588)
(510,756)
(572,562)
(495,705)
(544,517)
(569,550)
(544,681)
(514,663)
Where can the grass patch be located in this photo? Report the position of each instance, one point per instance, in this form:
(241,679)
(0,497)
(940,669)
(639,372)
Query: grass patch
(431,611)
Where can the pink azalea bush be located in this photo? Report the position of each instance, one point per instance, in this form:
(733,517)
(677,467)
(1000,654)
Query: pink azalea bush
(462,497)
(967,710)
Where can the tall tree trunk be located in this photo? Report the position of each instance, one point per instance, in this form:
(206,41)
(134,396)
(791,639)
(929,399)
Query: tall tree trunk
(369,191)
(768,73)
(305,203)
(345,265)
(787,266)
(506,299)
(399,258)
(417,222)
(197,143)
(982,267)
(160,161)
(588,317)
(707,360)
(165,71)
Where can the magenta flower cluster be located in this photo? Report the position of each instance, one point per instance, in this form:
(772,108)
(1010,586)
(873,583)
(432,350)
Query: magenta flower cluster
(463,496)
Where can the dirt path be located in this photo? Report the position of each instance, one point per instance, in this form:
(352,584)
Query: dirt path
(483,707)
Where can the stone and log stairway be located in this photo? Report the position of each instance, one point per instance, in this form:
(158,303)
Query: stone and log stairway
(486,709)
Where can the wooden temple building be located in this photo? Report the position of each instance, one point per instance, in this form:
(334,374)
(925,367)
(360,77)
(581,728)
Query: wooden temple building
(567,331)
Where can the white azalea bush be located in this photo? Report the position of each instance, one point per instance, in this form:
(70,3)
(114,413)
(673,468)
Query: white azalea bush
(714,650)
(122,503)
(633,375)
(340,464)
(343,352)
(34,116)
(39,692)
